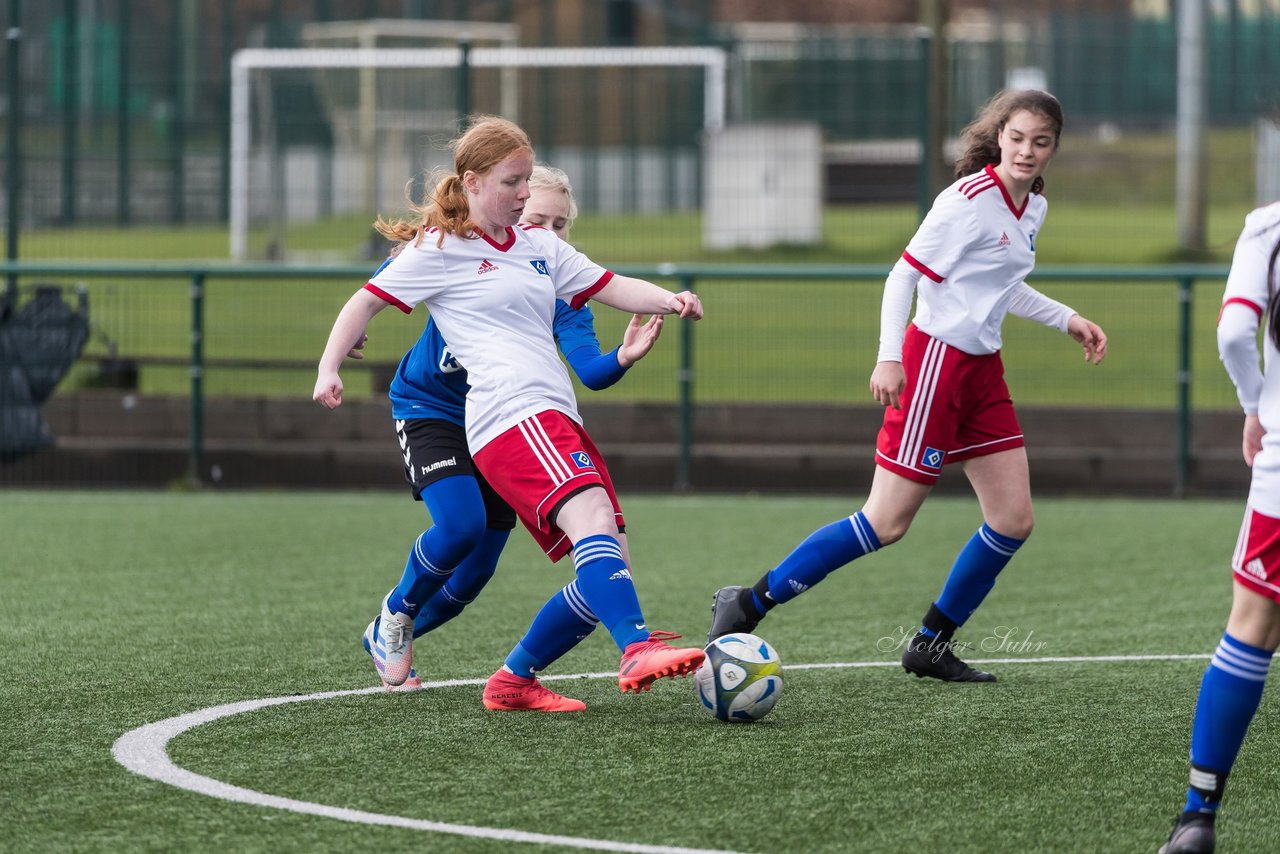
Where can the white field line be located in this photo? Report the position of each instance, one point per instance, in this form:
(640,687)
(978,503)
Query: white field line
(144,751)
(1074,659)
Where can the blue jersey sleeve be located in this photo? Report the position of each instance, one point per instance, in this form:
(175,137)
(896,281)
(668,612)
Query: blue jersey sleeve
(575,333)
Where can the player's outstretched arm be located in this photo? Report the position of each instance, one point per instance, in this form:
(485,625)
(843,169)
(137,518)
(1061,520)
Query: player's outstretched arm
(599,370)
(1090,336)
(348,330)
(640,297)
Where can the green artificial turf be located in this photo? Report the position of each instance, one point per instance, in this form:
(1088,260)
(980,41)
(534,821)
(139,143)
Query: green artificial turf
(122,609)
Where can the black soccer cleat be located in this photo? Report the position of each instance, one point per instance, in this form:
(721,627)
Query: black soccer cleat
(926,656)
(1192,834)
(731,611)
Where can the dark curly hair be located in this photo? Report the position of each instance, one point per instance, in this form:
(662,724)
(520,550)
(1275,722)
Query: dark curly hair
(980,138)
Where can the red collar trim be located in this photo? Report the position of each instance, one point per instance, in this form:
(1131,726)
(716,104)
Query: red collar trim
(511,239)
(1008,200)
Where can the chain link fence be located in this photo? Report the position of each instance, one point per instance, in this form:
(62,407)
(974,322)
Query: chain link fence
(118,151)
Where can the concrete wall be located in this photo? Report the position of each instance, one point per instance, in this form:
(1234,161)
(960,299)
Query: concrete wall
(112,438)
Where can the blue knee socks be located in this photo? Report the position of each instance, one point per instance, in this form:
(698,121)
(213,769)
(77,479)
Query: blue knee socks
(464,585)
(561,624)
(822,552)
(458,517)
(607,590)
(974,574)
(1229,697)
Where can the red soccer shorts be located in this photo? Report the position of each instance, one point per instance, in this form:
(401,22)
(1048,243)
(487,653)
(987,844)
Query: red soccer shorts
(954,407)
(537,464)
(1256,561)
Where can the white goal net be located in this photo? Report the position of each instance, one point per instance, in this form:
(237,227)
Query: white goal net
(325,133)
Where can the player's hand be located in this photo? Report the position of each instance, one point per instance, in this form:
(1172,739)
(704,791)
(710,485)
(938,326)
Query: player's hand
(1252,442)
(1090,336)
(357,350)
(639,339)
(686,304)
(887,381)
(328,391)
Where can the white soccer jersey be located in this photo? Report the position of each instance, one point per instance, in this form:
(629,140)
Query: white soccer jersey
(974,248)
(1244,303)
(495,305)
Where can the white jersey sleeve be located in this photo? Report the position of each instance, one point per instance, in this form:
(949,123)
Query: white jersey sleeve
(1246,305)
(895,306)
(1028,303)
(944,237)
(415,274)
(1244,302)
(1238,349)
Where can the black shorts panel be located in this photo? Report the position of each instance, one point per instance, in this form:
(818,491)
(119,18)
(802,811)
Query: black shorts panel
(432,449)
(555,511)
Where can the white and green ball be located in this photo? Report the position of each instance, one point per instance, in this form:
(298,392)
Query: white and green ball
(741,678)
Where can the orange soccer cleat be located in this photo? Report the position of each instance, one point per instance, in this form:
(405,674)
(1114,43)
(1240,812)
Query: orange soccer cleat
(646,661)
(506,692)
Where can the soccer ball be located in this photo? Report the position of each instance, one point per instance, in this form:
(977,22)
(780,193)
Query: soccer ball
(741,678)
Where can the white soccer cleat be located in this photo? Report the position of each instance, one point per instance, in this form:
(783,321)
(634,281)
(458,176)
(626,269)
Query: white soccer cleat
(413,683)
(393,646)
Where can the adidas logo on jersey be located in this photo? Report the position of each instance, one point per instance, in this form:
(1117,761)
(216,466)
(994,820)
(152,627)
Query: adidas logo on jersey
(1003,241)
(1256,569)
(486,266)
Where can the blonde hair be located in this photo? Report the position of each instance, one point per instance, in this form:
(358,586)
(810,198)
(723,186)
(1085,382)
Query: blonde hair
(488,141)
(549,178)
(980,139)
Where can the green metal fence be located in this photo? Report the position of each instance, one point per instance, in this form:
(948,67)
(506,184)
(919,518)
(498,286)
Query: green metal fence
(778,334)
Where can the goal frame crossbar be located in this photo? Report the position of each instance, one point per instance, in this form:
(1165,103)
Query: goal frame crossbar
(713,60)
